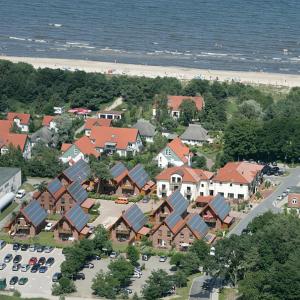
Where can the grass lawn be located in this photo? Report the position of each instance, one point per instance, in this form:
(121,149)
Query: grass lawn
(228,294)
(27,187)
(119,247)
(8,210)
(54,217)
(183,293)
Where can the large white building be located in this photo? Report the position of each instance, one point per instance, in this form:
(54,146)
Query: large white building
(10,180)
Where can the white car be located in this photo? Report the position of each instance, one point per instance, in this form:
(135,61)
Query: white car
(113,255)
(136,275)
(48,227)
(20,194)
(25,268)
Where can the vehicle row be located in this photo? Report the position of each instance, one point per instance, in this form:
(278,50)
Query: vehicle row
(32,248)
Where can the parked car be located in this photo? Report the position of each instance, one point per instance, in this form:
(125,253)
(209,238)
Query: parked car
(56,276)
(113,255)
(2,244)
(78,276)
(162,258)
(32,248)
(43,269)
(35,268)
(24,247)
(13,280)
(20,194)
(50,261)
(145,257)
(42,260)
(89,265)
(40,248)
(136,275)
(48,227)
(96,257)
(32,261)
(16,246)
(121,200)
(48,249)
(127,291)
(17,259)
(8,258)
(2,266)
(25,268)
(284,194)
(279,197)
(16,267)
(23,280)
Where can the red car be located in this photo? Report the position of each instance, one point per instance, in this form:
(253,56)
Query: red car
(32,261)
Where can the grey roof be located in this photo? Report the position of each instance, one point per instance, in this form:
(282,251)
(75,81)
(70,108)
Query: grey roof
(117,169)
(145,128)
(77,217)
(135,217)
(139,175)
(54,186)
(35,213)
(195,132)
(295,190)
(178,202)
(78,193)
(173,219)
(7,173)
(80,171)
(197,224)
(45,135)
(220,206)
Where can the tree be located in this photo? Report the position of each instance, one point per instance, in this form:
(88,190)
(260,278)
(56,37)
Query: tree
(105,285)
(100,172)
(180,279)
(122,270)
(101,240)
(188,111)
(250,109)
(199,162)
(64,286)
(157,285)
(133,255)
(200,248)
(177,258)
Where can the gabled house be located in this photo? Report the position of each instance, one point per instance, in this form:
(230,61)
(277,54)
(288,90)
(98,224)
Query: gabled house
(112,140)
(130,226)
(50,123)
(94,122)
(44,135)
(175,203)
(196,135)
(29,221)
(190,182)
(80,149)
(72,225)
(237,180)
(174,103)
(21,120)
(174,154)
(146,130)
(216,213)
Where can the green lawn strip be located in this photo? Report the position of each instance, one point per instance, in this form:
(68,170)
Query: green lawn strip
(227,294)
(54,217)
(8,210)
(183,293)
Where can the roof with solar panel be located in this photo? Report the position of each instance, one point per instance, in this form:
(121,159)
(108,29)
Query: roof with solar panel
(178,202)
(220,206)
(135,217)
(197,225)
(54,186)
(80,171)
(118,169)
(139,176)
(35,213)
(77,217)
(78,193)
(174,222)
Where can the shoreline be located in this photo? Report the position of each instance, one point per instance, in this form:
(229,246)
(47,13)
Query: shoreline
(181,73)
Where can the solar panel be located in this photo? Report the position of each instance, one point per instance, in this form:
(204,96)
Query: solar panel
(117,169)
(54,186)
(139,175)
(173,219)
(220,206)
(178,202)
(79,171)
(77,192)
(77,217)
(35,213)
(135,217)
(197,224)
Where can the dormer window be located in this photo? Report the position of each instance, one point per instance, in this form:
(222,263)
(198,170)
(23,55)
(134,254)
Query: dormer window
(294,201)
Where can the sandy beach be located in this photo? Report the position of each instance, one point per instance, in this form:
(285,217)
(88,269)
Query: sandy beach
(275,79)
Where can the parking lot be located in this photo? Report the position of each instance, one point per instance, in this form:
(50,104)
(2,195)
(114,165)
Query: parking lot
(38,283)
(84,286)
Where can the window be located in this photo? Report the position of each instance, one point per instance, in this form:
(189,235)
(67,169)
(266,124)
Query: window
(240,196)
(169,233)
(201,194)
(163,186)
(160,232)
(294,201)
(62,208)
(191,237)
(181,235)
(188,189)
(241,185)
(230,195)
(202,184)
(168,152)
(63,201)
(173,179)
(75,151)
(222,194)
(230,184)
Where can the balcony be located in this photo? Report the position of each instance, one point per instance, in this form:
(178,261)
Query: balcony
(127,186)
(65,231)
(175,186)
(123,231)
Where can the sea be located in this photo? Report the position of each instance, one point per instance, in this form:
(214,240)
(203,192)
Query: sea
(253,35)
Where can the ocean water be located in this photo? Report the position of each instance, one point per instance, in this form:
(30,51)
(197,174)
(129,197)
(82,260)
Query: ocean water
(251,35)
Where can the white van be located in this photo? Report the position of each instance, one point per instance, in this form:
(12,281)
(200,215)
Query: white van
(20,194)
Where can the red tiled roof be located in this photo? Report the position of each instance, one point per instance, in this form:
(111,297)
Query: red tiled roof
(5,126)
(180,149)
(86,146)
(88,203)
(47,120)
(14,139)
(65,147)
(120,136)
(85,230)
(238,172)
(174,102)
(188,174)
(144,231)
(24,118)
(204,199)
(90,122)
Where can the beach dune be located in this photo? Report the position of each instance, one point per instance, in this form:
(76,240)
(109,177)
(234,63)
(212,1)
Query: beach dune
(275,79)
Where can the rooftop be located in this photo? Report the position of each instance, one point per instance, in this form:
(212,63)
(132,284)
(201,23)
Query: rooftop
(90,122)
(7,173)
(180,149)
(145,128)
(195,132)
(174,102)
(24,118)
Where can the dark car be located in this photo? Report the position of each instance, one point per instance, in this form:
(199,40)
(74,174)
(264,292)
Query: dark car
(16,246)
(56,276)
(48,249)
(78,276)
(24,247)
(43,269)
(23,280)
(16,267)
(8,258)
(17,259)
(13,280)
(42,260)
(40,248)
(96,257)
(50,261)
(35,268)
(89,266)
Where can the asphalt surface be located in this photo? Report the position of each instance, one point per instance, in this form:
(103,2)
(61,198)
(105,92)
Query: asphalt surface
(202,287)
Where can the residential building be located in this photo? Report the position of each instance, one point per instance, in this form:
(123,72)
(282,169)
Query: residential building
(195,135)
(72,225)
(190,182)
(130,226)
(29,221)
(80,149)
(146,130)
(94,122)
(174,103)
(50,123)
(237,180)
(112,115)
(10,180)
(21,120)
(174,154)
(294,198)
(216,213)
(111,140)
(46,136)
